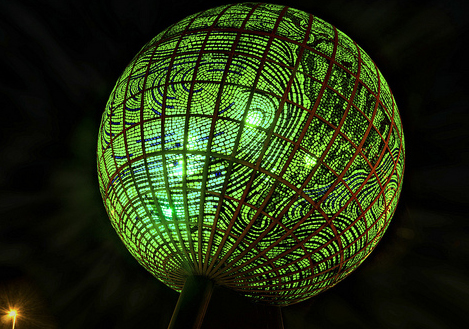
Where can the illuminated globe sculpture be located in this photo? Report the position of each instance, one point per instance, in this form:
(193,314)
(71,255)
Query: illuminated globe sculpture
(253,144)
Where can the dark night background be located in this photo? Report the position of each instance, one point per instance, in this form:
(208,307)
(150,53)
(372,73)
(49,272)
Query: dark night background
(62,263)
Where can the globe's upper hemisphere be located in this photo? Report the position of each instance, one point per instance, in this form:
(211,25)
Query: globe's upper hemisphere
(239,104)
(203,98)
(313,131)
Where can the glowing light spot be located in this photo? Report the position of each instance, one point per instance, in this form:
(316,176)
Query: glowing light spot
(254,118)
(167,212)
(310,161)
(176,168)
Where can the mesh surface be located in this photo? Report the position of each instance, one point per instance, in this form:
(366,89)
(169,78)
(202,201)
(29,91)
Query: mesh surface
(255,144)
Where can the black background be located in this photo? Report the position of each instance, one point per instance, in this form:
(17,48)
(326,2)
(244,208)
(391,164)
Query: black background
(61,262)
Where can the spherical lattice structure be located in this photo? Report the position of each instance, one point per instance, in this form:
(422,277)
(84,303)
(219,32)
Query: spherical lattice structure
(255,144)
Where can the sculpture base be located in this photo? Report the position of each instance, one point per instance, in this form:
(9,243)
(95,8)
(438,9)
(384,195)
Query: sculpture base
(192,303)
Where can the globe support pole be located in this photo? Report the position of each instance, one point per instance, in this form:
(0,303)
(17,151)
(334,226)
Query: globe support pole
(192,303)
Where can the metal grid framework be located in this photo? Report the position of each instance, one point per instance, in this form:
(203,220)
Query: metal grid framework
(255,144)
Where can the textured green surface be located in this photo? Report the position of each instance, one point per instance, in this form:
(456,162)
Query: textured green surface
(253,143)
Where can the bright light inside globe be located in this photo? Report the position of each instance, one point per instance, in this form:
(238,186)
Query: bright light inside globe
(254,118)
(310,161)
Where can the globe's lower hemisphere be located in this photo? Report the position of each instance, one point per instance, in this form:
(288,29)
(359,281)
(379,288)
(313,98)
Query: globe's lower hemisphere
(255,144)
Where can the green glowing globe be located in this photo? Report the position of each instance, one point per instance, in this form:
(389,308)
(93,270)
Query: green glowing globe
(254,144)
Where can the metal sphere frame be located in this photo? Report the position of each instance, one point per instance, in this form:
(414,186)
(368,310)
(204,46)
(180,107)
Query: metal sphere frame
(253,144)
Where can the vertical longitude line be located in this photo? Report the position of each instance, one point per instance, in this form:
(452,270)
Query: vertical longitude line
(163,158)
(124,135)
(266,144)
(383,188)
(387,218)
(367,228)
(373,171)
(196,262)
(238,137)
(145,157)
(106,196)
(209,145)
(287,163)
(393,122)
(340,177)
(349,163)
(128,157)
